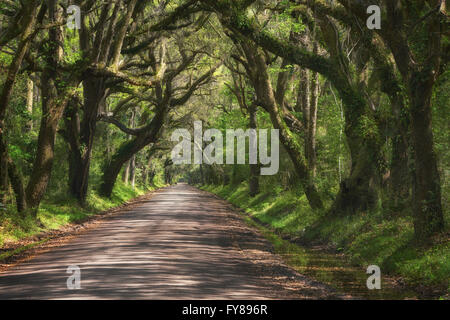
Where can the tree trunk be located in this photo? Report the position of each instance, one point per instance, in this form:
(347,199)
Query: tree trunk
(307,103)
(43,163)
(355,192)
(28,21)
(14,177)
(129,149)
(54,100)
(81,138)
(400,177)
(126,173)
(399,183)
(167,176)
(419,75)
(312,125)
(30,98)
(202,175)
(265,94)
(4,183)
(18,186)
(133,171)
(427,205)
(151,178)
(95,91)
(148,172)
(254,168)
(72,135)
(356,107)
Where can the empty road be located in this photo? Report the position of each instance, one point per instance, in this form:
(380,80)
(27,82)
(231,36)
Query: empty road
(182,243)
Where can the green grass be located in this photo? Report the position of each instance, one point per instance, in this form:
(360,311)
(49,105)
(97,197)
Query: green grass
(58,211)
(365,239)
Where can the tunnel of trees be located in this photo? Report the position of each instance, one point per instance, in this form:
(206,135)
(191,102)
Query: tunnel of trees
(91,91)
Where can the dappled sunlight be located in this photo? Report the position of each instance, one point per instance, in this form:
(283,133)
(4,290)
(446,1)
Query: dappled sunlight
(180,244)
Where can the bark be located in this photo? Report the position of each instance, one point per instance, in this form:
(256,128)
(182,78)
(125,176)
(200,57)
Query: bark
(43,163)
(54,100)
(356,192)
(15,178)
(149,134)
(419,70)
(129,170)
(147,171)
(304,95)
(307,102)
(18,185)
(24,43)
(28,21)
(94,96)
(4,183)
(126,173)
(151,178)
(239,91)
(133,171)
(312,125)
(167,176)
(419,79)
(121,34)
(427,204)
(129,149)
(94,92)
(30,98)
(254,168)
(71,135)
(400,177)
(355,107)
(265,96)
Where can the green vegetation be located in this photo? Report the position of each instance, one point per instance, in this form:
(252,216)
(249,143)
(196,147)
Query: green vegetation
(87,116)
(58,211)
(365,239)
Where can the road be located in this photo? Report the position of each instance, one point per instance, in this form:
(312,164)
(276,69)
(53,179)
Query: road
(182,243)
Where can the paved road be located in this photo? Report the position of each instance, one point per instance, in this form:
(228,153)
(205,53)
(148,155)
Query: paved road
(182,243)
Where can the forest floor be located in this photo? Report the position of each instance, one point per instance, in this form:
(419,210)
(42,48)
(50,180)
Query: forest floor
(177,243)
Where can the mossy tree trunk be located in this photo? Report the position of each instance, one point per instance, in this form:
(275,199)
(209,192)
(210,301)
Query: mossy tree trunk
(364,148)
(26,24)
(130,148)
(419,80)
(57,90)
(255,170)
(427,204)
(258,74)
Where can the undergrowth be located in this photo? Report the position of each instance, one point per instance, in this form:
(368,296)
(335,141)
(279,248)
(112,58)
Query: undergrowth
(369,238)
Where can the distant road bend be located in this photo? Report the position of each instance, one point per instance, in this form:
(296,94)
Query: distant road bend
(182,243)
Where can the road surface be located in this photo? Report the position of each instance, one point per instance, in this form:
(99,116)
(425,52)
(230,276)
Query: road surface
(182,243)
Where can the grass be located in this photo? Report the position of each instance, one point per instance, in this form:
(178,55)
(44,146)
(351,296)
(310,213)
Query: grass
(59,210)
(365,239)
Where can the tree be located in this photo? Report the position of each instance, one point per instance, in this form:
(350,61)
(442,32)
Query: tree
(166,97)
(24,25)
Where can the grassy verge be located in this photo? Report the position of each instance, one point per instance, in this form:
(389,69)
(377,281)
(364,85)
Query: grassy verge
(374,238)
(56,212)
